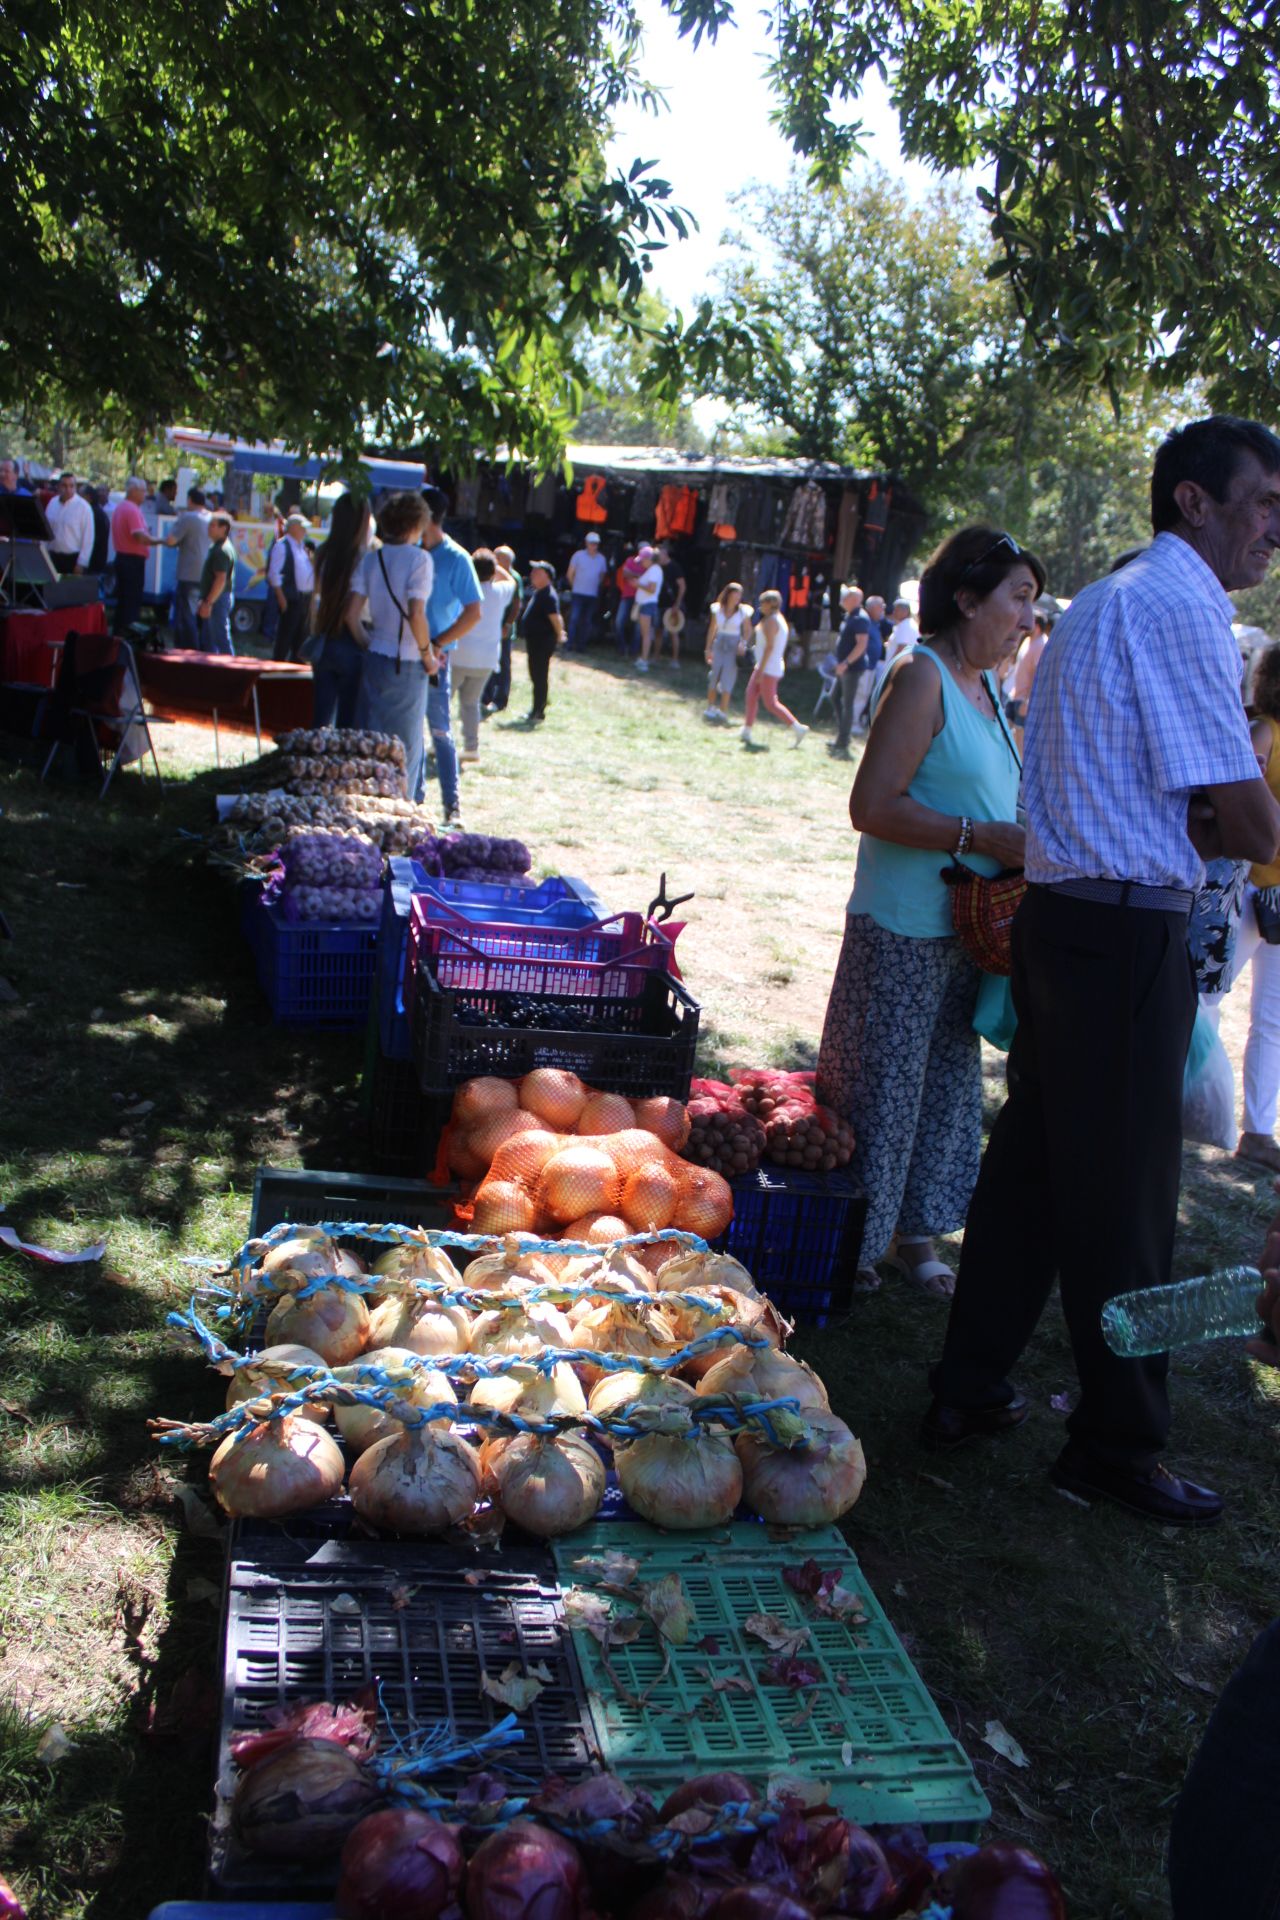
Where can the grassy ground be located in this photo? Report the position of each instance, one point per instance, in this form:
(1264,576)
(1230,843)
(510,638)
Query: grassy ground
(140,1085)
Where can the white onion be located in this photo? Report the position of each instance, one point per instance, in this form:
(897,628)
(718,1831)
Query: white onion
(511,1269)
(333,1322)
(418,1482)
(548,1485)
(416,1321)
(750,1314)
(416,1261)
(249,1382)
(614,1391)
(278,1467)
(692,1272)
(680,1481)
(521,1331)
(536,1395)
(622,1327)
(308,1256)
(761,1373)
(417,1384)
(804,1486)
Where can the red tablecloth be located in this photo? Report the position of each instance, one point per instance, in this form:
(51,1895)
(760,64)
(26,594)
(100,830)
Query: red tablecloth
(189,686)
(26,657)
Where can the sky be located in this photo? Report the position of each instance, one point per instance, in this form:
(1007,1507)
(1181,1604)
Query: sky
(717,137)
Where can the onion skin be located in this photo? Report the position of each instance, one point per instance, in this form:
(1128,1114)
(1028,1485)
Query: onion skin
(333,1322)
(852,1869)
(279,1467)
(1003,1883)
(804,1486)
(763,1375)
(549,1486)
(399,1864)
(707,1790)
(362,1426)
(759,1901)
(424,1326)
(419,1483)
(302,1801)
(678,1482)
(246,1385)
(526,1872)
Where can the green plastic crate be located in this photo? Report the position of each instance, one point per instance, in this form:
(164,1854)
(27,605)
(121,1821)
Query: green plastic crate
(904,1765)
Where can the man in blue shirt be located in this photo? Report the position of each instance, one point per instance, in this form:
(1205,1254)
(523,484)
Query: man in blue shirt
(452,610)
(9,478)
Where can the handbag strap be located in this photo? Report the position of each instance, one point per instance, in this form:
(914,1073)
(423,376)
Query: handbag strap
(395,603)
(1002,723)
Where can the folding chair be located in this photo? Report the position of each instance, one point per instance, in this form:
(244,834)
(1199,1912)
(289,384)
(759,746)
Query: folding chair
(827,672)
(98,691)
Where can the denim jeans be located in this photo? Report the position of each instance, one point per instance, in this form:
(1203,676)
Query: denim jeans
(582,613)
(1222,1851)
(186,598)
(625,628)
(336,678)
(215,631)
(391,702)
(442,746)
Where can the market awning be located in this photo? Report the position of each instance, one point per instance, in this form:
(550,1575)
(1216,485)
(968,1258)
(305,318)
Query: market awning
(272,456)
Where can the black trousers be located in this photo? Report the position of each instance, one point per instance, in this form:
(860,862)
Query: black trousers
(541,653)
(131,580)
(292,629)
(1080,1177)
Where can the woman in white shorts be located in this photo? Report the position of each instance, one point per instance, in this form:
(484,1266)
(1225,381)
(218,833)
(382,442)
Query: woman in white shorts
(728,637)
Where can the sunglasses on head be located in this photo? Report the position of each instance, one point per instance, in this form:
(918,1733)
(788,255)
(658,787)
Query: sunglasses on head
(1005,540)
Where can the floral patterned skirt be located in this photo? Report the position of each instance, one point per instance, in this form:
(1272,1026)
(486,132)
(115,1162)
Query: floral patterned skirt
(900,1060)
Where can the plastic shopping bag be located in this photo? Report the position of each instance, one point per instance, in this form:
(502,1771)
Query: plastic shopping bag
(1208,1089)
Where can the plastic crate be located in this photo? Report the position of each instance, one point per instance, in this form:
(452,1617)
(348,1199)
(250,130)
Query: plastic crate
(903,1765)
(326,1624)
(313,975)
(639,1043)
(560,901)
(603,957)
(799,1235)
(404,1123)
(243,1910)
(298,1194)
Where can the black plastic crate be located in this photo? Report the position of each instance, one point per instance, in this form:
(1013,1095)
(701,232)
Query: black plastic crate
(301,1195)
(640,1044)
(404,1123)
(323,1626)
(799,1235)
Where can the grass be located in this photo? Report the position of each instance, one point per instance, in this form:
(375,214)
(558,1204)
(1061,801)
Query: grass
(1099,1642)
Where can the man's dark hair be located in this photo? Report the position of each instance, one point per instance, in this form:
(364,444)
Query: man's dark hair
(195,496)
(437,503)
(170,482)
(1208,452)
(485,562)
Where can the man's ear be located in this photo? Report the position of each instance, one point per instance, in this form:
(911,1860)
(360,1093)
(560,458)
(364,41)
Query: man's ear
(1193,502)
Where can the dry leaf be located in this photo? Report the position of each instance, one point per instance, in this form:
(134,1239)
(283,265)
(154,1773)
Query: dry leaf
(616,1569)
(1197,1686)
(936,1480)
(725,1682)
(201,1589)
(780,1635)
(668,1606)
(515,1689)
(201,1518)
(1029,1813)
(795,1786)
(1002,1742)
(401,1596)
(344,1603)
(54,1746)
(1060,1402)
(588,1611)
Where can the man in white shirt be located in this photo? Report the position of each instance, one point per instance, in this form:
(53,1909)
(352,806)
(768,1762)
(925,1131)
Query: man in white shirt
(586,576)
(290,579)
(71,523)
(477,656)
(1139,767)
(905,632)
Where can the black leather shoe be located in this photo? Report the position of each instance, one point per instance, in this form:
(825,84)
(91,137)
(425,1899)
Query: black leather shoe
(1153,1491)
(945,1428)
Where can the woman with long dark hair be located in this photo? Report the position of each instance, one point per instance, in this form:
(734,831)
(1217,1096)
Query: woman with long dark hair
(336,667)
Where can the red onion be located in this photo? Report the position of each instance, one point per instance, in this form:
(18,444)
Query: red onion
(526,1872)
(677,1896)
(849,1870)
(303,1801)
(1003,1883)
(399,1864)
(706,1790)
(759,1901)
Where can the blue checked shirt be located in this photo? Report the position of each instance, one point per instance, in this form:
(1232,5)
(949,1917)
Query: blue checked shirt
(1136,704)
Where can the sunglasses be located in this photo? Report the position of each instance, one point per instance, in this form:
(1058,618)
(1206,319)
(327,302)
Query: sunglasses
(1002,540)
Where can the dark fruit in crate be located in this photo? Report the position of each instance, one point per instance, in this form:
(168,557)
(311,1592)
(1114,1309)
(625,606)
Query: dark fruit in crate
(729,1140)
(303,1801)
(760,1901)
(1003,1883)
(399,1864)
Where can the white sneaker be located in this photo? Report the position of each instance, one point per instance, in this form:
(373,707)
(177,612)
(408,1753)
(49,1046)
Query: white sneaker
(710,716)
(798,733)
(642,666)
(745,736)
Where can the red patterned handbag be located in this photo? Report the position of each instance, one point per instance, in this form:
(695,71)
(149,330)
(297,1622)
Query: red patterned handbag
(982,911)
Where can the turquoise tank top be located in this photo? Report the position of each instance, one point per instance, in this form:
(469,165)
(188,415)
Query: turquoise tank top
(969,768)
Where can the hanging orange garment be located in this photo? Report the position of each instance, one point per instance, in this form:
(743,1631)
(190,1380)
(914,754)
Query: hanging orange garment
(876,518)
(677,511)
(724,532)
(799,595)
(686,511)
(590,505)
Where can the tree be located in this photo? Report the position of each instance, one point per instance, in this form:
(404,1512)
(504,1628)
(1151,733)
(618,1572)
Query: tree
(625,396)
(1133,173)
(333,224)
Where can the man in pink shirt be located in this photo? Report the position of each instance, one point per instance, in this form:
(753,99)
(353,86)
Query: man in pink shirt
(132,545)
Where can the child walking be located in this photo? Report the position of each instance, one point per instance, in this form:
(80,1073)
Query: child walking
(771,635)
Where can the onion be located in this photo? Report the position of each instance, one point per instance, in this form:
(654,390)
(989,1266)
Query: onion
(1003,1883)
(580,1179)
(333,1322)
(301,1802)
(677,1896)
(503,1206)
(416,1261)
(680,1481)
(488,1136)
(277,1467)
(760,1373)
(705,1205)
(522,1331)
(759,1901)
(526,1872)
(399,1864)
(649,1197)
(804,1486)
(708,1790)
(306,1257)
(691,1272)
(556,1096)
(549,1485)
(606,1113)
(418,1482)
(666,1117)
(423,1325)
(483,1099)
(614,1391)
(250,1383)
(511,1267)
(418,1385)
(853,1872)
(622,1326)
(526,1391)
(523,1157)
(595,1229)
(758,1318)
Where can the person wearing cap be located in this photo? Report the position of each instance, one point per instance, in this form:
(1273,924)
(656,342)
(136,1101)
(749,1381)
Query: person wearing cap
(648,588)
(71,523)
(543,630)
(585,576)
(291,578)
(132,544)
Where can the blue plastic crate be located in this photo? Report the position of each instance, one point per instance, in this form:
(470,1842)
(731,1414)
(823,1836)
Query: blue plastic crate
(561,901)
(314,975)
(799,1235)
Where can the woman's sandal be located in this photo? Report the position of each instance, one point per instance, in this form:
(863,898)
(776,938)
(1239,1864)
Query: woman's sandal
(933,1277)
(867,1280)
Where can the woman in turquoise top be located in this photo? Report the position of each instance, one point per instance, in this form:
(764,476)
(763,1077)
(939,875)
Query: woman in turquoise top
(939,776)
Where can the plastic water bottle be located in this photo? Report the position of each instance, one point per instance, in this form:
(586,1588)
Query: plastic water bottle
(1213,1306)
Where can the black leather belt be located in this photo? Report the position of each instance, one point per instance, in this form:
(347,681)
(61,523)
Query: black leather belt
(1125,893)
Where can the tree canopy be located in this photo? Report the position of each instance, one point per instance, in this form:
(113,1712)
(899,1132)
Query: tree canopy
(1130,167)
(333,224)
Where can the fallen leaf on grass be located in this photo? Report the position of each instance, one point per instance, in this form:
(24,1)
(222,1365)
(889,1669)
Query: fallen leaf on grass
(140,1109)
(936,1480)
(1197,1686)
(515,1689)
(1060,1402)
(899,1588)
(15,1412)
(201,1518)
(1002,1742)
(54,1746)
(779,1635)
(1029,1813)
